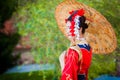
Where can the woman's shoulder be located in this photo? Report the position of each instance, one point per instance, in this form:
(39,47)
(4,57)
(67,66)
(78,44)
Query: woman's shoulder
(75,49)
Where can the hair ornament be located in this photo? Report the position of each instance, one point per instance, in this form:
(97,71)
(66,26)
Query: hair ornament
(73,23)
(71,12)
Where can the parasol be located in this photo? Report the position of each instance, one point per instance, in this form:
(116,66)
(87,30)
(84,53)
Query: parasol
(99,34)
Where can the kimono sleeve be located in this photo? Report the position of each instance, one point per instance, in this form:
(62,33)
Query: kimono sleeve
(71,66)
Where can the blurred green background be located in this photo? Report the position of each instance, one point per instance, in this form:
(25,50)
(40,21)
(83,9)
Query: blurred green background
(35,19)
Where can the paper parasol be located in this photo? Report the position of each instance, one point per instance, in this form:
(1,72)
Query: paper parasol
(99,34)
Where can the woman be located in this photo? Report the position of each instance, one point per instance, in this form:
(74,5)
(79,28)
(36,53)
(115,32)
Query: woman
(76,60)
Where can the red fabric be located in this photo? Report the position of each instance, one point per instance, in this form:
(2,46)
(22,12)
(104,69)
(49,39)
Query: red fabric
(85,62)
(73,66)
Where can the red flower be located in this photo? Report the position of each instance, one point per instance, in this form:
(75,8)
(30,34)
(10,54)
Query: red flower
(71,12)
(81,12)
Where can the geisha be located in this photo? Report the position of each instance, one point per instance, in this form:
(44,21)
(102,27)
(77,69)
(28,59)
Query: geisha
(76,60)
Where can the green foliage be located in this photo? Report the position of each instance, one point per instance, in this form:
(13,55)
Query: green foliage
(39,75)
(102,64)
(37,21)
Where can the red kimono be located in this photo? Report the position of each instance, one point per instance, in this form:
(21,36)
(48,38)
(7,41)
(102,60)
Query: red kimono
(75,69)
